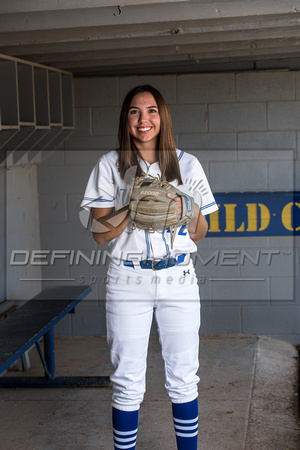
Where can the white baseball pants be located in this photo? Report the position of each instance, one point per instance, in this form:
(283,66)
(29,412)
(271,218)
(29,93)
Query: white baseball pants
(132,296)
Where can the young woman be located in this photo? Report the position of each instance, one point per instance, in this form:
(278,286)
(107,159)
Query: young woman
(146,275)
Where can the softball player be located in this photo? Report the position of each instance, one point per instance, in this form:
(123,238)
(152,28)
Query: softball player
(147,275)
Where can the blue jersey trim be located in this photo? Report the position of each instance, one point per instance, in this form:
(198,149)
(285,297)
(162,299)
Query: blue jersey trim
(166,244)
(147,243)
(97,199)
(180,155)
(208,206)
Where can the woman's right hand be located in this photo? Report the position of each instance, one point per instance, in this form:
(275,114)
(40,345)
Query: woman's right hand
(107,224)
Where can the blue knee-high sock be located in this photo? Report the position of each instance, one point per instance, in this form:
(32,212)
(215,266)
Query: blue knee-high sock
(185,417)
(125,427)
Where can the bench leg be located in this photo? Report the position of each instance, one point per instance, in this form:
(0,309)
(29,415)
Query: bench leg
(24,362)
(49,351)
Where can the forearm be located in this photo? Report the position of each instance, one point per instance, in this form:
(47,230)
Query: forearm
(109,226)
(198,227)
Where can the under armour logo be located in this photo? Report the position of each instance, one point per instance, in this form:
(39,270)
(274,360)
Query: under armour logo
(186,272)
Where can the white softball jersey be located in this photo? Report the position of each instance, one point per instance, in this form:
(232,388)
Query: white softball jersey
(106,189)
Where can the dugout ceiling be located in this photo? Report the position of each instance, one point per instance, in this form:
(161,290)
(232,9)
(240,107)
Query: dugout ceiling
(107,37)
(43,44)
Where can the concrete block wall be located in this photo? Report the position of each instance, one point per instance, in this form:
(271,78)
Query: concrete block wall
(19,233)
(2,234)
(245,130)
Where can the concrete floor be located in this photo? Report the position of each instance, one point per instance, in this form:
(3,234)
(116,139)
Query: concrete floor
(248,399)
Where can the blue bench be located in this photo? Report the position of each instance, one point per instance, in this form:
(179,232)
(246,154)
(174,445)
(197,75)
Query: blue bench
(35,320)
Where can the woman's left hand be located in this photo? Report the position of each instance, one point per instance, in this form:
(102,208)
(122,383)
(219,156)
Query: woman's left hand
(198,227)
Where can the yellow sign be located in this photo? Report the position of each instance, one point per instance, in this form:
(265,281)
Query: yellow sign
(256,214)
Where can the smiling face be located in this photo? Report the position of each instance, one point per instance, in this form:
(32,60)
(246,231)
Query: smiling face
(144,121)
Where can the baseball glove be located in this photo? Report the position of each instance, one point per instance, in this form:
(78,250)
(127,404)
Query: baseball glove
(152,210)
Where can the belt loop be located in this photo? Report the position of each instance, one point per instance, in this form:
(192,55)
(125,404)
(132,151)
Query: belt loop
(136,264)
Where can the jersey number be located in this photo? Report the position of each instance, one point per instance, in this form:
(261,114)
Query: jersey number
(182,231)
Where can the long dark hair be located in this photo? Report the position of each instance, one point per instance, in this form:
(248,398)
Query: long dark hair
(128,152)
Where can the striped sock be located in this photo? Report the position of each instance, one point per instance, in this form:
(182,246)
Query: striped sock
(125,427)
(185,417)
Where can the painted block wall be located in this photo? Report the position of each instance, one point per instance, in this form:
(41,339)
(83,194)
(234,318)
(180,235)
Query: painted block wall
(245,130)
(2,234)
(19,233)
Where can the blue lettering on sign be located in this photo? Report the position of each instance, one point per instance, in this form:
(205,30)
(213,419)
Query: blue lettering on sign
(255,214)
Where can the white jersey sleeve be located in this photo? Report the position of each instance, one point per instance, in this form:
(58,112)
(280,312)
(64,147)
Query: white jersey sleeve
(195,183)
(100,189)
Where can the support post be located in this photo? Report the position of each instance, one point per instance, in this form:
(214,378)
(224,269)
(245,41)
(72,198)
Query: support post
(49,351)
